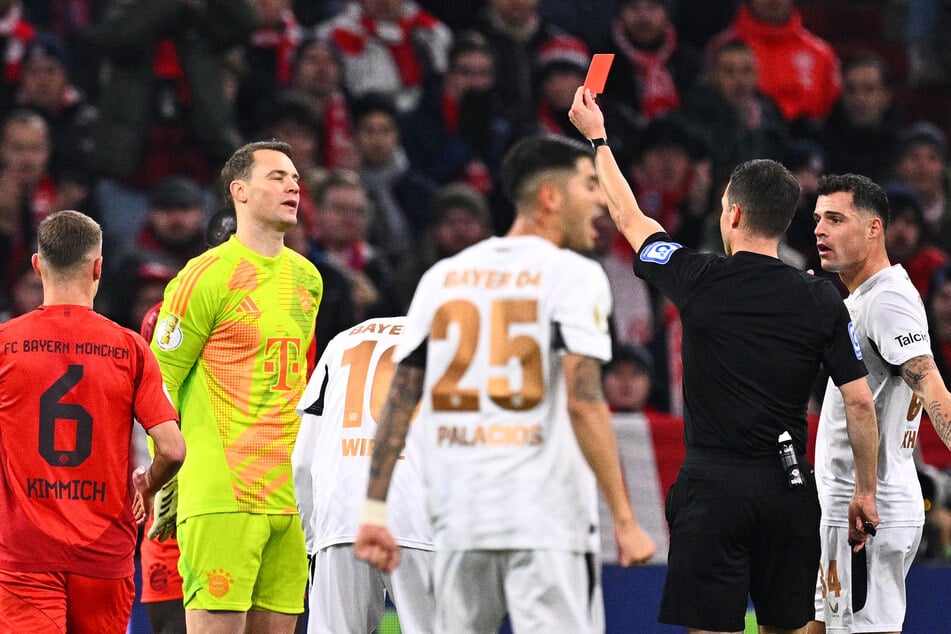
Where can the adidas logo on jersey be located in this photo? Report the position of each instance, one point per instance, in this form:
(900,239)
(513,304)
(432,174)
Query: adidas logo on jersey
(248,306)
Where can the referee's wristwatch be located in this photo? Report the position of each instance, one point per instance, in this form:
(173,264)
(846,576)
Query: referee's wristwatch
(596,143)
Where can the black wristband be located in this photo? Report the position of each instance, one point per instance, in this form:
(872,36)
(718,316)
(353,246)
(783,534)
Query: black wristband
(596,143)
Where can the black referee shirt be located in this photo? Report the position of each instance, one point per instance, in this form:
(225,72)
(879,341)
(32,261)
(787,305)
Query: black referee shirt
(754,333)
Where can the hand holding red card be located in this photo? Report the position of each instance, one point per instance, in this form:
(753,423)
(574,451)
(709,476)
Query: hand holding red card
(598,72)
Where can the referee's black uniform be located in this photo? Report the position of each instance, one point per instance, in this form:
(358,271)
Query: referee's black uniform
(755,331)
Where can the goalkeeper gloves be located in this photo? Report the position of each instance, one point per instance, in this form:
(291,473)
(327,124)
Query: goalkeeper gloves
(165,511)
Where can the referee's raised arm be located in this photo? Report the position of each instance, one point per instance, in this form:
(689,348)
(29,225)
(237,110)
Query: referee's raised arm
(586,116)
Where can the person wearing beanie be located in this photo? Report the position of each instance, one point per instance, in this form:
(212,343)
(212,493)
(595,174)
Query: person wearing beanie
(46,85)
(459,218)
(562,65)
(317,78)
(921,163)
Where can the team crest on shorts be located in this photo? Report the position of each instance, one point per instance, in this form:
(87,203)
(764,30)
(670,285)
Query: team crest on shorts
(659,252)
(158,577)
(219,582)
(169,333)
(855,341)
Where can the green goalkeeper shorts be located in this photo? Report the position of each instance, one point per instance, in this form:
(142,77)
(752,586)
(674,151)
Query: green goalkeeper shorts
(240,561)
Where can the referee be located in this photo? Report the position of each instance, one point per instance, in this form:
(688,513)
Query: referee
(755,332)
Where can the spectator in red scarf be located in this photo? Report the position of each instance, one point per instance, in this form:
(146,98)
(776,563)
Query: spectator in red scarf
(390,47)
(268,60)
(650,69)
(803,75)
(15,32)
(291,119)
(458,132)
(344,214)
(562,64)
(317,78)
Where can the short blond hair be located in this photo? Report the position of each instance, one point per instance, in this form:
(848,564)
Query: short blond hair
(68,238)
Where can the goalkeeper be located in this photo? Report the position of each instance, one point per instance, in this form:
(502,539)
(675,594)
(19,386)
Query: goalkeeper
(234,340)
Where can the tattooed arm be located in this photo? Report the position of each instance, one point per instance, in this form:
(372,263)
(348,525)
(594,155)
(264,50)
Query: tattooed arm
(374,542)
(591,421)
(405,392)
(922,376)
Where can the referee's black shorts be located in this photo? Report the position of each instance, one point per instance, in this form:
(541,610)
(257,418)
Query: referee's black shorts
(738,530)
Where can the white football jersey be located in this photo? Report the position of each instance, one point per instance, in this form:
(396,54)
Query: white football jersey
(501,460)
(331,460)
(890,326)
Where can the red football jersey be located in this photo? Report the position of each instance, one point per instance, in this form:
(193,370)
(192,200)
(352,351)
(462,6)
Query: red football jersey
(71,383)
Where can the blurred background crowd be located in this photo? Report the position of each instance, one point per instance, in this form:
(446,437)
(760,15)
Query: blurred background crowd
(399,112)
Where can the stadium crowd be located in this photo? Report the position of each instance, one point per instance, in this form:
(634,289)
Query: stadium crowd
(399,112)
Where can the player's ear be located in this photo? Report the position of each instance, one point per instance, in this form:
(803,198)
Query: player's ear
(550,194)
(875,227)
(237,190)
(97,268)
(736,215)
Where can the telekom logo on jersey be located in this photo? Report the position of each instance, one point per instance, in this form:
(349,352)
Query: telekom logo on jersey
(285,346)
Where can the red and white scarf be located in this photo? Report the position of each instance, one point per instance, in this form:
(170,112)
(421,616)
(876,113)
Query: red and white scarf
(658,91)
(284,40)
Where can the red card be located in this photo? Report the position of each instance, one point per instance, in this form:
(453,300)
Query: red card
(598,72)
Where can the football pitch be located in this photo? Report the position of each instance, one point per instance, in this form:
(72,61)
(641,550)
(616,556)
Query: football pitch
(391,624)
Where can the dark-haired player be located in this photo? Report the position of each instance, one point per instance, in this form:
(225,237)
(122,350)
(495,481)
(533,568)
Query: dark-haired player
(755,332)
(502,350)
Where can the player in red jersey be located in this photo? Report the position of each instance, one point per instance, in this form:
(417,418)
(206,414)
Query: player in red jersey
(161,583)
(71,383)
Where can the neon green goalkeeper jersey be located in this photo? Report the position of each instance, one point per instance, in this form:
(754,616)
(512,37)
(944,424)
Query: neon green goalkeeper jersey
(233,340)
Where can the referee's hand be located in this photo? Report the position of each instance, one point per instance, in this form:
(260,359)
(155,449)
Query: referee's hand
(375,545)
(634,545)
